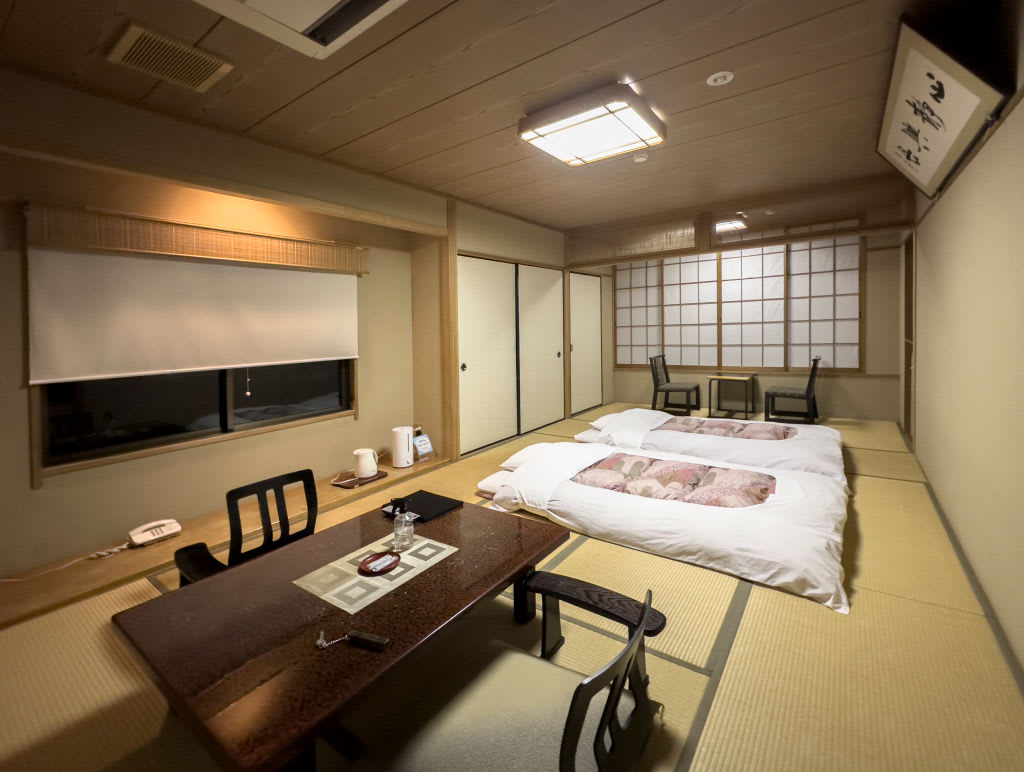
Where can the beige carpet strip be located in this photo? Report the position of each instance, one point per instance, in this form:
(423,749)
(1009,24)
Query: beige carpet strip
(896,544)
(694,600)
(896,465)
(871,435)
(896,685)
(74,696)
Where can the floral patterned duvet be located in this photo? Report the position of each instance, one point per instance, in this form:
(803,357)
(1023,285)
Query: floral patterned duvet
(747,430)
(678,480)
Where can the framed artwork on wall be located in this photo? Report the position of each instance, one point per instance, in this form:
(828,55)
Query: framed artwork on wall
(935,110)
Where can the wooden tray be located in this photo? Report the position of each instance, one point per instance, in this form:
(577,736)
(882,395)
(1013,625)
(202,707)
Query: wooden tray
(346,480)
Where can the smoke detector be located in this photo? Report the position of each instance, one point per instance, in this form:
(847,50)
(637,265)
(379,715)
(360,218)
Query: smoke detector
(161,57)
(316,28)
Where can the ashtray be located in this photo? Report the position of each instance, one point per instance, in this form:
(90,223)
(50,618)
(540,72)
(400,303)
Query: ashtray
(379,563)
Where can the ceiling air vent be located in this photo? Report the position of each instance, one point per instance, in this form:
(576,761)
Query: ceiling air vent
(315,28)
(166,59)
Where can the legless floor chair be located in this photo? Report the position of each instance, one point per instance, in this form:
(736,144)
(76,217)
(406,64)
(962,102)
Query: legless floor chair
(806,395)
(515,711)
(663,385)
(195,561)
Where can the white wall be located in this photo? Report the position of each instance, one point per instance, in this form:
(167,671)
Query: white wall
(484,232)
(970,365)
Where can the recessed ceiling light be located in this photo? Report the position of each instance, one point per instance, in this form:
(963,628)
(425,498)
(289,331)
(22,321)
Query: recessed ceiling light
(770,211)
(594,126)
(720,78)
(640,158)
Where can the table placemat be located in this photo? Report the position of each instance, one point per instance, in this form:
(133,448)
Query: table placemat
(340,583)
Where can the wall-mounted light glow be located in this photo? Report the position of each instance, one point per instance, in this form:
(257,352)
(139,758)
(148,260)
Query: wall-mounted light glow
(597,125)
(724,226)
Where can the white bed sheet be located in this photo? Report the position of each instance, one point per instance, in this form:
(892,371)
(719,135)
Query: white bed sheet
(814,448)
(792,541)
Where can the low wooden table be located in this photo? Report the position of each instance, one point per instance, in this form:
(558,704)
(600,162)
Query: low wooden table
(235,654)
(748,391)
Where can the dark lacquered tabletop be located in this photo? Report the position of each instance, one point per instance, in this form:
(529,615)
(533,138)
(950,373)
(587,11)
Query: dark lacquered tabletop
(235,654)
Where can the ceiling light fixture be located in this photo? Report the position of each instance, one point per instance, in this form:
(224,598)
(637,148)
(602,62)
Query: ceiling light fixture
(724,226)
(720,78)
(640,158)
(596,125)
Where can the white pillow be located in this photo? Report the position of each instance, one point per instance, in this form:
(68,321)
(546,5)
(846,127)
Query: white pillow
(492,482)
(516,460)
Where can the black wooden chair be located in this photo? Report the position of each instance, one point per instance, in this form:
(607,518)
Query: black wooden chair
(662,385)
(810,412)
(195,561)
(501,707)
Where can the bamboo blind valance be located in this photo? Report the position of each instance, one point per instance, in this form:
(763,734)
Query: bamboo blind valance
(67,228)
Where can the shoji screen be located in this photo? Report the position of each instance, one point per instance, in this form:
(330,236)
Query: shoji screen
(638,314)
(824,303)
(753,292)
(690,298)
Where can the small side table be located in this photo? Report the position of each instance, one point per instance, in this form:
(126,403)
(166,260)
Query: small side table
(748,391)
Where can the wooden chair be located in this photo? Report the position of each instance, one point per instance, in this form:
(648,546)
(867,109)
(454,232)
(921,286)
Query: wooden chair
(663,385)
(810,412)
(506,709)
(195,561)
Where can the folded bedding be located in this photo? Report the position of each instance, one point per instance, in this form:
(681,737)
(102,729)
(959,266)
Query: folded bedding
(803,448)
(779,528)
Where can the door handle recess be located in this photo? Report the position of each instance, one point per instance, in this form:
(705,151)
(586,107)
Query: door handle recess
(463,367)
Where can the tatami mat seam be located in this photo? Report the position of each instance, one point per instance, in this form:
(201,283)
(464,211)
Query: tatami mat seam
(886,477)
(575,542)
(160,588)
(866,588)
(649,651)
(716,663)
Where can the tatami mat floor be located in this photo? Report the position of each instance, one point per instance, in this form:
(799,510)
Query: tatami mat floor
(751,678)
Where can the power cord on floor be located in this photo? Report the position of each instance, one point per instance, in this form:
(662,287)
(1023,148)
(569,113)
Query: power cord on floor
(99,555)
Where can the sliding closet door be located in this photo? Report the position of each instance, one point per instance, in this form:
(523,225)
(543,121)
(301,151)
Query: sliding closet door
(487,352)
(541,374)
(585,335)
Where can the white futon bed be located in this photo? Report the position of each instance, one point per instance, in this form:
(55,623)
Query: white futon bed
(808,448)
(791,540)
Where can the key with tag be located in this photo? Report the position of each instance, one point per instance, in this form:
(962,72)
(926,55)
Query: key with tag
(358,638)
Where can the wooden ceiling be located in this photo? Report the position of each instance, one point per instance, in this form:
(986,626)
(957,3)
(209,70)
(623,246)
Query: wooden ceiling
(433,94)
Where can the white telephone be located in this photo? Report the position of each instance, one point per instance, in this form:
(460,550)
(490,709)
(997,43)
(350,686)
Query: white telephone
(158,530)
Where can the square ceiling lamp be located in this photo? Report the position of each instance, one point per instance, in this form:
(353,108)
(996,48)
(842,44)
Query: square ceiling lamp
(600,124)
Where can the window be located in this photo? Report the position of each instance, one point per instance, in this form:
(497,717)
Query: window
(824,303)
(753,292)
(99,418)
(746,308)
(638,315)
(691,310)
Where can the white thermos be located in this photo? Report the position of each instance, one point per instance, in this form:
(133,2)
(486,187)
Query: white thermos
(401,446)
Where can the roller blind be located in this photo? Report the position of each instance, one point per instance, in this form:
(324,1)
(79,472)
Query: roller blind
(94,315)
